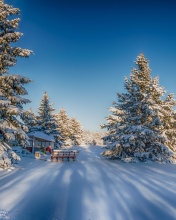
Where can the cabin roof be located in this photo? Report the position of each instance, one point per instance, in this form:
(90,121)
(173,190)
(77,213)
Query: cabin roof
(41,135)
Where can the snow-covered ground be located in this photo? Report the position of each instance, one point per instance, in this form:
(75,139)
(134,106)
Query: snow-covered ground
(91,188)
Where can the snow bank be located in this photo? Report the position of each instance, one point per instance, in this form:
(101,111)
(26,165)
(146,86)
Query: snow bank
(7,156)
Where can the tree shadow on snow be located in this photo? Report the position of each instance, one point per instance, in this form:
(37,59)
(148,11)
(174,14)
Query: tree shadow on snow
(91,188)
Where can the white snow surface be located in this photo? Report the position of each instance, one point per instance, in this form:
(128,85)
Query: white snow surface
(90,188)
(42,135)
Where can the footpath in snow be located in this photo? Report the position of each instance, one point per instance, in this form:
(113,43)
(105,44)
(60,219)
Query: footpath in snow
(91,188)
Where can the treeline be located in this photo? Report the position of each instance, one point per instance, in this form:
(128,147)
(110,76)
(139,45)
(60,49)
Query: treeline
(65,130)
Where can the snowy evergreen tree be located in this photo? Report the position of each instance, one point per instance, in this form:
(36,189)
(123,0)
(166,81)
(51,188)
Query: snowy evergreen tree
(64,124)
(141,126)
(76,131)
(168,117)
(113,120)
(47,121)
(46,118)
(11,86)
(30,120)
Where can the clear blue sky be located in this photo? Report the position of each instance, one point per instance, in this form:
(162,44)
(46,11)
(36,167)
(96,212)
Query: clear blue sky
(83,50)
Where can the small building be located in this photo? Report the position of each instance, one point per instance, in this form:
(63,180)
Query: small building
(39,141)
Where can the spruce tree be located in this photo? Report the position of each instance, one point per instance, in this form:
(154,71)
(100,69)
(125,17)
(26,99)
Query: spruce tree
(46,118)
(30,120)
(64,124)
(76,131)
(113,120)
(168,117)
(139,123)
(11,86)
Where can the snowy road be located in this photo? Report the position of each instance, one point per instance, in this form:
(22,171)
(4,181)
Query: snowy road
(91,188)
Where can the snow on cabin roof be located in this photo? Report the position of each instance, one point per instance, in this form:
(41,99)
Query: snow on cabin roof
(41,135)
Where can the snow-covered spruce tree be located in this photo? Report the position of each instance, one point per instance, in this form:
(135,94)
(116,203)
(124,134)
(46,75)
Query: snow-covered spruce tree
(30,121)
(113,120)
(11,86)
(141,129)
(76,131)
(46,118)
(168,117)
(64,124)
